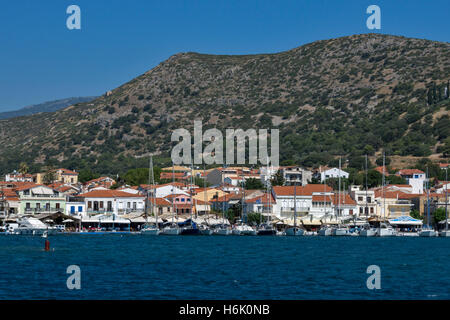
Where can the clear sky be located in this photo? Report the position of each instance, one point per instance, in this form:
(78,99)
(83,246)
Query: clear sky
(40,59)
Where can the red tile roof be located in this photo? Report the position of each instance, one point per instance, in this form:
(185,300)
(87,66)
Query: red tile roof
(109,194)
(408,172)
(306,190)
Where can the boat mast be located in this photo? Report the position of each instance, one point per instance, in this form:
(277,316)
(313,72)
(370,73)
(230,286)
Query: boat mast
(295,207)
(367,208)
(428,199)
(153,186)
(339,192)
(383,183)
(446,214)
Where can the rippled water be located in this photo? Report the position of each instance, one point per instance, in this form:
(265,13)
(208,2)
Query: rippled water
(146,267)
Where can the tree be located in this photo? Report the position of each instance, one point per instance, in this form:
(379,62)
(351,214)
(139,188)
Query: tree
(86,174)
(439,215)
(254,218)
(393,179)
(278,179)
(23,168)
(379,161)
(49,176)
(252,184)
(416,214)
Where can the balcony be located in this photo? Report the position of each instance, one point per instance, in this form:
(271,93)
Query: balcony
(42,210)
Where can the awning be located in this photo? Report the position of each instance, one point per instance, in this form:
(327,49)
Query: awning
(405,220)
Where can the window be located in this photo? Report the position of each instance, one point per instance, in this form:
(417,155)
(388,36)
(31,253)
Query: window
(80,209)
(109,206)
(89,204)
(360,198)
(72,209)
(38,205)
(27,206)
(360,210)
(369,199)
(371,210)
(182,199)
(101,204)
(128,205)
(134,205)
(57,205)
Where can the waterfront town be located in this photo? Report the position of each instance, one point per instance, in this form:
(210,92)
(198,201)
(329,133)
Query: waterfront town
(222,205)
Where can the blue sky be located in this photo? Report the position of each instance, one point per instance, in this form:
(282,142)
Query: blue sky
(40,59)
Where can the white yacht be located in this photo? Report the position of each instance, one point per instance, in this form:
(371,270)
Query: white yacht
(33,226)
(295,231)
(205,230)
(385,231)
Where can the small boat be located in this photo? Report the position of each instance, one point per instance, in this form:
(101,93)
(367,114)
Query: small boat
(325,231)
(205,230)
(428,233)
(444,233)
(266,230)
(150,230)
(295,231)
(222,231)
(340,231)
(190,231)
(367,231)
(385,231)
(170,231)
(244,230)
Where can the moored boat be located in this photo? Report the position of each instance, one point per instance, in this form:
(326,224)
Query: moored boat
(295,231)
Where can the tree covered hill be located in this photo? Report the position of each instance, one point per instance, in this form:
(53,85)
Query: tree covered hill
(347,96)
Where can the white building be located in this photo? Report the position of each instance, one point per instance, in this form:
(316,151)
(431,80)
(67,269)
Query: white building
(284,197)
(333,173)
(112,202)
(365,201)
(415,178)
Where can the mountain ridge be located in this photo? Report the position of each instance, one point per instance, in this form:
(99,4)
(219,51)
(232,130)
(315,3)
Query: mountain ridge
(330,97)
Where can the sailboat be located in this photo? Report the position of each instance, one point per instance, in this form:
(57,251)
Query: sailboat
(222,230)
(266,229)
(191,229)
(384,230)
(173,229)
(367,230)
(295,231)
(428,230)
(446,232)
(151,229)
(340,230)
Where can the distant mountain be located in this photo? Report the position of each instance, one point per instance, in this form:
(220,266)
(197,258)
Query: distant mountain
(346,97)
(49,106)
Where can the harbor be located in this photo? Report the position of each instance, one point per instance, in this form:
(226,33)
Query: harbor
(119,266)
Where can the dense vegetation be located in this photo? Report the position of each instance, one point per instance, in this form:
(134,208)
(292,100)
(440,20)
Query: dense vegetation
(347,97)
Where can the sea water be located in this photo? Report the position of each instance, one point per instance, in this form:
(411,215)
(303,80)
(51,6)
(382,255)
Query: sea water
(233,267)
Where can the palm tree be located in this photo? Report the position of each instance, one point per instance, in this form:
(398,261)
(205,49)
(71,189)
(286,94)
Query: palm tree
(23,168)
